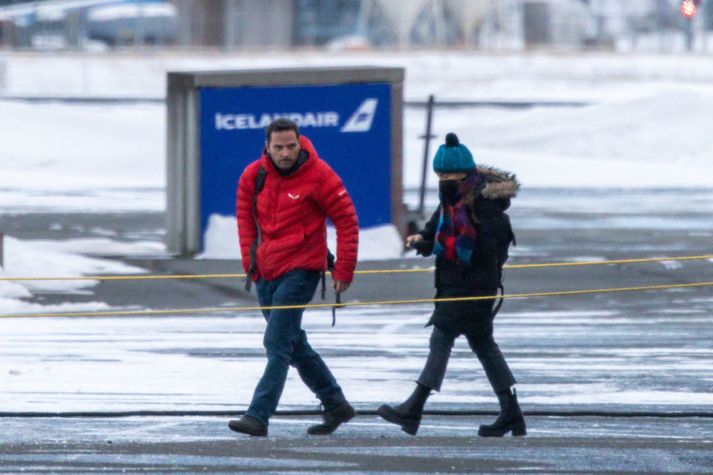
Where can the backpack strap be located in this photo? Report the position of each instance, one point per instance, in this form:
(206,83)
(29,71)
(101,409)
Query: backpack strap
(513,238)
(259,185)
(499,304)
(501,288)
(337,304)
(330,268)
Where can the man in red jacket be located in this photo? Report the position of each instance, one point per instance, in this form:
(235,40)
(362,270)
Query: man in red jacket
(283,201)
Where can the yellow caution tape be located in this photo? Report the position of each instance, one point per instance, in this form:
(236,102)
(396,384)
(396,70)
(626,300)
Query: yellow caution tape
(187,311)
(360,272)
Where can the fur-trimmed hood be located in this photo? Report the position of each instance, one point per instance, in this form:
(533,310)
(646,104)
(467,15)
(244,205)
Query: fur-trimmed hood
(497,184)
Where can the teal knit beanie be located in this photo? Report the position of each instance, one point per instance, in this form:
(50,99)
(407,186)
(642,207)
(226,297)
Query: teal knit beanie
(453,157)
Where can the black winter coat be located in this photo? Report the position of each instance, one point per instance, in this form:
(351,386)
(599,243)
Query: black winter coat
(487,204)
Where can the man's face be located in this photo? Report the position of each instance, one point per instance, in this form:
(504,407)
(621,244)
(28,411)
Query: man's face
(283,148)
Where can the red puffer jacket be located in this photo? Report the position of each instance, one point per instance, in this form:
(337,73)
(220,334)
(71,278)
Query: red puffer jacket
(291,211)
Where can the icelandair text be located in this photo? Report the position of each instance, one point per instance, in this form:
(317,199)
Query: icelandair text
(250,121)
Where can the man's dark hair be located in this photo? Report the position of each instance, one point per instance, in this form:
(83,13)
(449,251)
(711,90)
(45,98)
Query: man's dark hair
(281,125)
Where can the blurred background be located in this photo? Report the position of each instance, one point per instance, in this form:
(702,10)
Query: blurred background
(496,25)
(621,90)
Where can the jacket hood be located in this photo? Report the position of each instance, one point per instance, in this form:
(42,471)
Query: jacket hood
(498,184)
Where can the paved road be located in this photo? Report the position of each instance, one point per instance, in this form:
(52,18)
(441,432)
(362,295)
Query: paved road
(366,445)
(643,351)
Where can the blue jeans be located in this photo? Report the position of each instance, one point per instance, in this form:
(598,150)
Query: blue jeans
(286,345)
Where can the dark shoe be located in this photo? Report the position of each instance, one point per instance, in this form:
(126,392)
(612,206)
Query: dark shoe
(408,413)
(509,419)
(409,422)
(333,418)
(248,425)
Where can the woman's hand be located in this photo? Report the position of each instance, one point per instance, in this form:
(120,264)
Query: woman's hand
(413,239)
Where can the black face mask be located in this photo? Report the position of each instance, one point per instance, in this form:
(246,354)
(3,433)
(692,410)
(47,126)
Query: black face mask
(449,190)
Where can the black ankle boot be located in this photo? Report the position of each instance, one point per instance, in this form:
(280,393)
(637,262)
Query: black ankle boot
(509,419)
(333,418)
(408,413)
(248,425)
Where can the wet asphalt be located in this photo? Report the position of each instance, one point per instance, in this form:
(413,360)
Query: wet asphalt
(365,445)
(650,325)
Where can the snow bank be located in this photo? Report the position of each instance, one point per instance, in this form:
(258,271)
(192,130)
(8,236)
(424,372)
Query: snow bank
(67,147)
(377,243)
(113,157)
(661,140)
(672,125)
(44,259)
(102,247)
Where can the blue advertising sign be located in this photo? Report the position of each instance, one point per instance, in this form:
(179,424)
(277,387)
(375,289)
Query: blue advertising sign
(349,125)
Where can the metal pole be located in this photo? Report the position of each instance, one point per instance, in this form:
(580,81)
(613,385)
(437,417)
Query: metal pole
(426,153)
(689,34)
(2,238)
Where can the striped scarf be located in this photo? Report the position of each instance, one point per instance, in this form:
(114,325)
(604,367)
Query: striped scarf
(455,235)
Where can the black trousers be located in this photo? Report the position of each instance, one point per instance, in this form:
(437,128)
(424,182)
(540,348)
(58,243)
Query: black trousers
(482,344)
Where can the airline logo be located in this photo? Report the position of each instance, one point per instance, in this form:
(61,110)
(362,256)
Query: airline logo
(360,121)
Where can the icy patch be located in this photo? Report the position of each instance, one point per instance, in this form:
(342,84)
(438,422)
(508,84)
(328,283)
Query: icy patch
(586,259)
(635,398)
(559,314)
(209,362)
(15,307)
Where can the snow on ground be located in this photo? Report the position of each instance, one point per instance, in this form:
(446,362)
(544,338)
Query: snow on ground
(65,148)
(648,127)
(91,158)
(377,243)
(49,259)
(447,74)
(650,117)
(102,247)
(657,141)
(582,360)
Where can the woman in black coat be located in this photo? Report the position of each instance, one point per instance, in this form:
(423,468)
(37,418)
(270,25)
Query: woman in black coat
(470,234)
